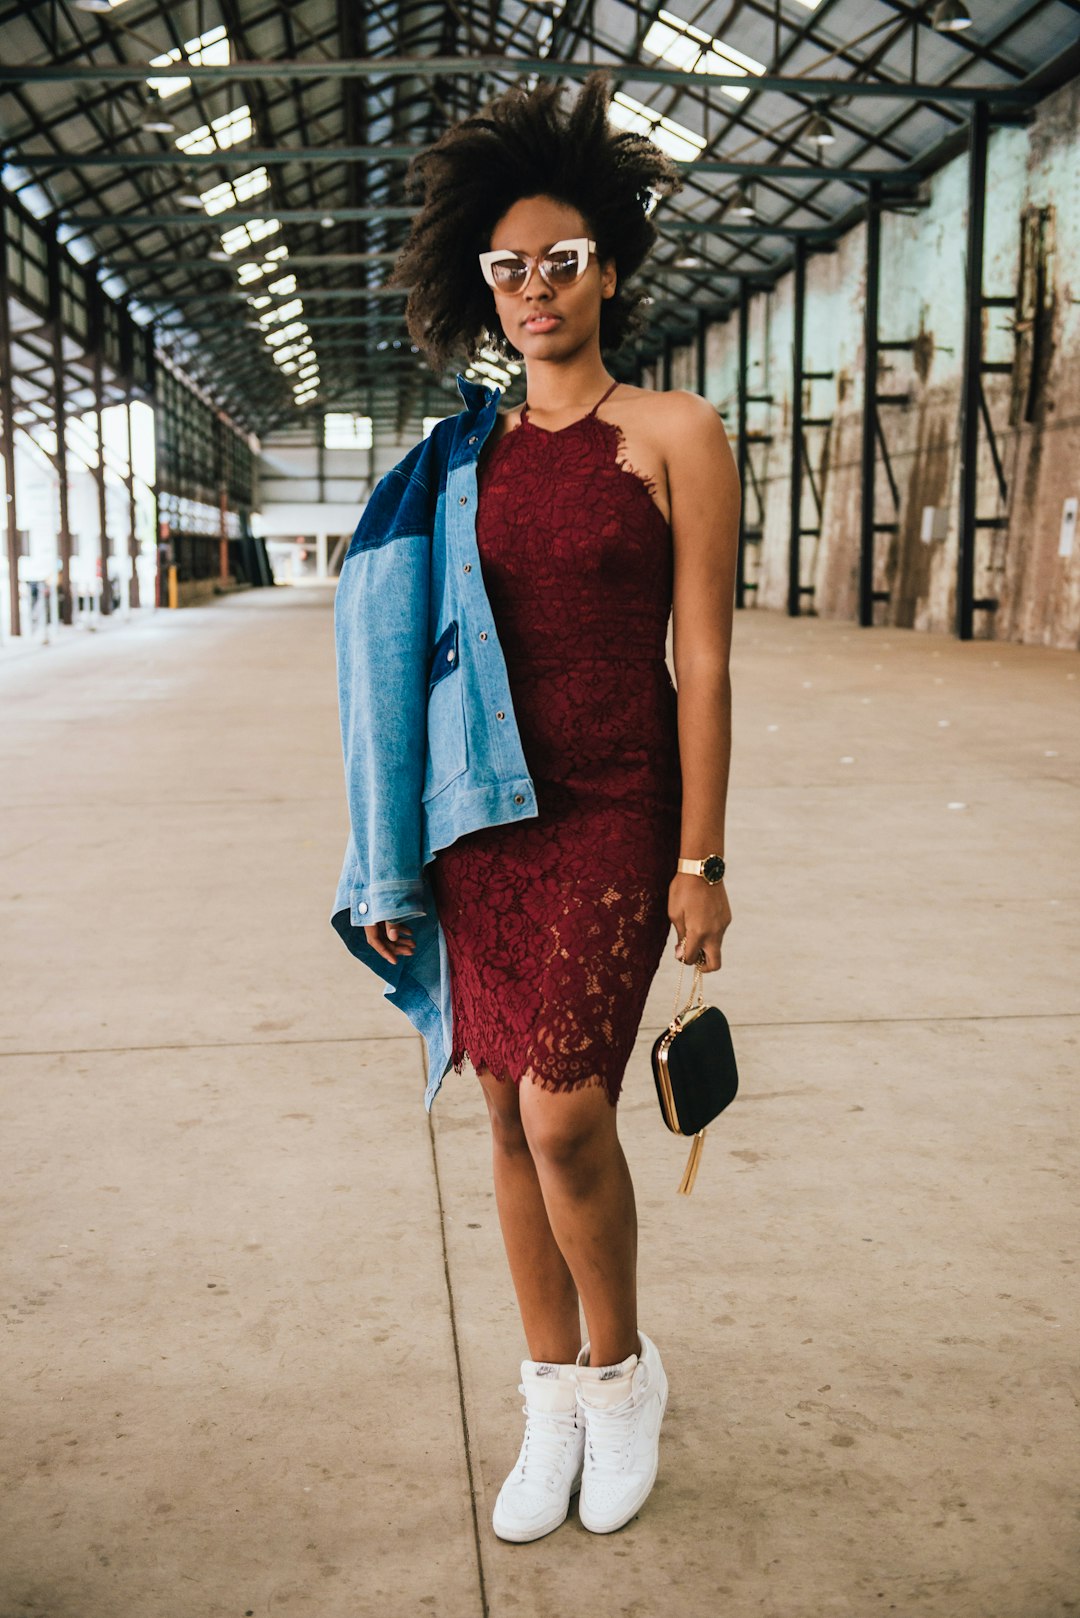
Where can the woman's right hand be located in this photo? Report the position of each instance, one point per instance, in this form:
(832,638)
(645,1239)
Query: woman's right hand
(391,939)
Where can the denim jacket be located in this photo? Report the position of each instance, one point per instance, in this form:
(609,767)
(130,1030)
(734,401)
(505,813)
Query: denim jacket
(430,740)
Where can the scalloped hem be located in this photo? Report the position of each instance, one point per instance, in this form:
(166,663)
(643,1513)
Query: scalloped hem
(553,1085)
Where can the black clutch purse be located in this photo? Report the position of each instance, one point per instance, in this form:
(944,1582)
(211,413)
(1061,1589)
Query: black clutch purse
(693,1063)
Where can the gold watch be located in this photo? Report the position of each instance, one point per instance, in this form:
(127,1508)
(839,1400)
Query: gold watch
(711,868)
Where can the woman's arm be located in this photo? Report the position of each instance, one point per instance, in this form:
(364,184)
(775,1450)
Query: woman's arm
(705,500)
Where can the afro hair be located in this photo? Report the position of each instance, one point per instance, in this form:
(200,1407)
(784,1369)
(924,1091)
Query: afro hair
(520,144)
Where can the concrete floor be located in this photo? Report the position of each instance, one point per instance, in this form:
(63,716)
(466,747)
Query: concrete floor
(262,1342)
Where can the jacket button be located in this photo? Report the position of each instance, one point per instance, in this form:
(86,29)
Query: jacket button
(450,655)
(472,440)
(467,568)
(362,907)
(483,634)
(518,798)
(500,714)
(463,500)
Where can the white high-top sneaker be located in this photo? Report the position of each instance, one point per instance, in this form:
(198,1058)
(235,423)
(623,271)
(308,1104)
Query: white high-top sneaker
(536,1496)
(623,1406)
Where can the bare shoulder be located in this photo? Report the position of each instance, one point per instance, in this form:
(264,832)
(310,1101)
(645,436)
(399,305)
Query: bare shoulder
(684,412)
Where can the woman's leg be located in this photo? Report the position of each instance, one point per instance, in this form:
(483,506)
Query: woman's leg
(546,1294)
(589,1196)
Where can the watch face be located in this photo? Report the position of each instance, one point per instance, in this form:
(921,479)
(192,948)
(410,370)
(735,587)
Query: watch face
(713,868)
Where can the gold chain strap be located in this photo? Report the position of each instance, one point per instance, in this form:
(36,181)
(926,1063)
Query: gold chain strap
(686,1185)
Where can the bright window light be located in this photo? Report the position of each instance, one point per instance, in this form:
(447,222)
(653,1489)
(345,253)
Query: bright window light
(286,312)
(286,284)
(208,50)
(346,432)
(685,46)
(250,272)
(231,192)
(260,303)
(431,421)
(673,138)
(220,133)
(303,398)
(294,330)
(241,236)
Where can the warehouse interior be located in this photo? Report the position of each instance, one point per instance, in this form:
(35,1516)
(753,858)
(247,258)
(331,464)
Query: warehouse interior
(257,1298)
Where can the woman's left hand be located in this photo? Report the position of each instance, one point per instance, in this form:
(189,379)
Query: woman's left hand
(701,915)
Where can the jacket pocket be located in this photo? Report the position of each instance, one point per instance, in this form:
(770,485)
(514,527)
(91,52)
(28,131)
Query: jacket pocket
(447,754)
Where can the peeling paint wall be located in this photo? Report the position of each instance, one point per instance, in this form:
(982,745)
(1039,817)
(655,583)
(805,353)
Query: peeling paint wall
(922,302)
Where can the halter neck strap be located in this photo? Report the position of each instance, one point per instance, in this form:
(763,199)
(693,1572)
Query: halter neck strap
(592,412)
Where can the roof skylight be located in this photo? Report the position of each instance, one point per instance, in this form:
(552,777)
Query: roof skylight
(685,46)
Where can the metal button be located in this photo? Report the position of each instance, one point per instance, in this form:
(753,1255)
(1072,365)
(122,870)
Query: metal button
(483,634)
(450,655)
(467,568)
(518,798)
(500,714)
(362,907)
(472,440)
(463,500)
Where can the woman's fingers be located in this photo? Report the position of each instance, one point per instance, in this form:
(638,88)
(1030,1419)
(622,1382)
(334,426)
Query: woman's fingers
(391,939)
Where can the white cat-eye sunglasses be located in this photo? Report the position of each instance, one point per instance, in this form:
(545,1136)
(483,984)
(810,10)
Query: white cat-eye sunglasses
(560,265)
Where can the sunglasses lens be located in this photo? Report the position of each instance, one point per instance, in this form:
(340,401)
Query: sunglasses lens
(509,273)
(563,268)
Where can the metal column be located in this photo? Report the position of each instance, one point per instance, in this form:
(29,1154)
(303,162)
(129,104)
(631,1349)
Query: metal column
(978,131)
(67,604)
(794,546)
(701,352)
(7,431)
(98,338)
(740,444)
(133,538)
(869,415)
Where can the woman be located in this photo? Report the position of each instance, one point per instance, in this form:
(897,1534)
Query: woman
(601,507)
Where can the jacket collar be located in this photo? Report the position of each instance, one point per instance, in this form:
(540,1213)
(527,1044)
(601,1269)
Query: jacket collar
(475,394)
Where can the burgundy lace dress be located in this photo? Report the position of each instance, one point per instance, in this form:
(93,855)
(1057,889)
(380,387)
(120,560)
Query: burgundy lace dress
(555,925)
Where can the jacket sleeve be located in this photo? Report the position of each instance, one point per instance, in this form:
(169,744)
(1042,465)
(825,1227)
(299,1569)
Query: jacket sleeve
(381,639)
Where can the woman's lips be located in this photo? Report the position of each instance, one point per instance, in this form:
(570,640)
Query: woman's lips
(542,322)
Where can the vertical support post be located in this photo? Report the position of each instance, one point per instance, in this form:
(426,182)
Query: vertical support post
(798,338)
(133,538)
(666,383)
(701,353)
(869,416)
(67,605)
(7,433)
(978,131)
(741,450)
(320,448)
(97,338)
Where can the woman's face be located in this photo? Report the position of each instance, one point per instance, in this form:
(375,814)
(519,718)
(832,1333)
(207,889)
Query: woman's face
(542,321)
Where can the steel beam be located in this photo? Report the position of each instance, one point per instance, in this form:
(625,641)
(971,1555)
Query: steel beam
(517,67)
(797,343)
(869,414)
(741,445)
(978,135)
(60,414)
(7,433)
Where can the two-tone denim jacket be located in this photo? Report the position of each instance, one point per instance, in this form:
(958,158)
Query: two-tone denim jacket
(430,740)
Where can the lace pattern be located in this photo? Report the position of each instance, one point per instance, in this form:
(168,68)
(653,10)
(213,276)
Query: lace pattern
(555,925)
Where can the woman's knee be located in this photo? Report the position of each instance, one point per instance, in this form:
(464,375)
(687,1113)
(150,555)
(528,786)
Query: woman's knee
(507,1131)
(568,1131)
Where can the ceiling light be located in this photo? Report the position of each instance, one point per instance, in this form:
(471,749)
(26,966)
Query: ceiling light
(687,259)
(158,126)
(950,17)
(327,220)
(741,202)
(188,199)
(819,129)
(93,5)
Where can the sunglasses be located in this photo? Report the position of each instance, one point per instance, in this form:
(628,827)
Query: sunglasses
(560,265)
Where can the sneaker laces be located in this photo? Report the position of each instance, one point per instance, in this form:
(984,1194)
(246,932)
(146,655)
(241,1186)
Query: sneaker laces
(547,1433)
(608,1435)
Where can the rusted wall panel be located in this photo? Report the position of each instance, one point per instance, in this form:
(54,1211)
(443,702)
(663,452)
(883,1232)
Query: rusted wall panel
(922,301)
